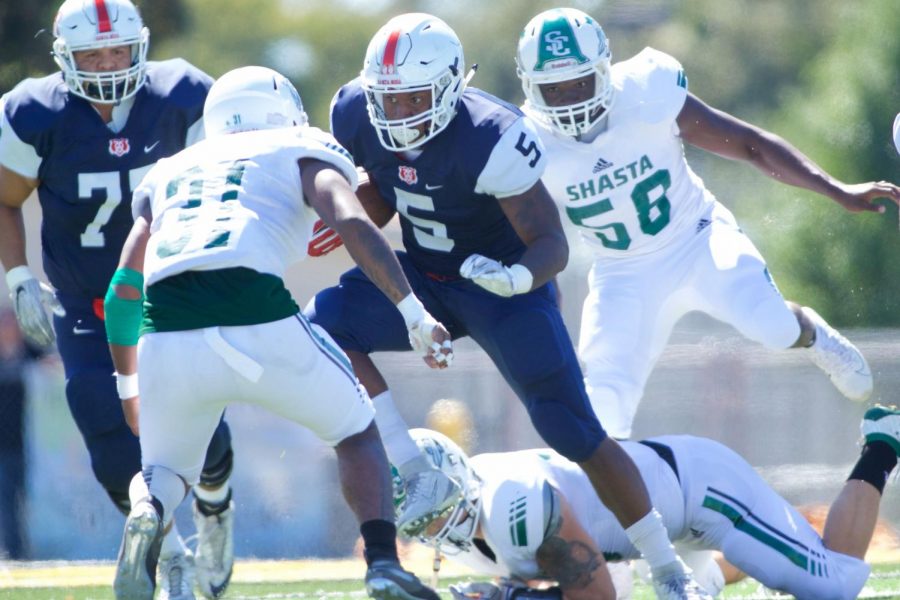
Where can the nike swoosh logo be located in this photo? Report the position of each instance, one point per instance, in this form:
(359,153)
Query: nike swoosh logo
(80,331)
(432,187)
(147,149)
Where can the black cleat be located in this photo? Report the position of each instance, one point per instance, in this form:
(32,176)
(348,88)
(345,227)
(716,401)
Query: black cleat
(386,580)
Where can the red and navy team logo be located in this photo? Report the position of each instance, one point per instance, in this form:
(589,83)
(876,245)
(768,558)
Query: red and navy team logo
(119,146)
(408,175)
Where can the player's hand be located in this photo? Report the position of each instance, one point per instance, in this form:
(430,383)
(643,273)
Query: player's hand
(861,196)
(426,335)
(132,409)
(493,276)
(31,299)
(324,240)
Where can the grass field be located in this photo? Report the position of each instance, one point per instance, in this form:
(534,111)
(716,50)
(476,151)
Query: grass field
(272,580)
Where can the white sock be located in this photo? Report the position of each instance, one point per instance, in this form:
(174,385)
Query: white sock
(213,497)
(649,536)
(168,488)
(137,489)
(172,542)
(400,446)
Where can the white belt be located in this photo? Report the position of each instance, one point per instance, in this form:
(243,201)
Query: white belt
(237,360)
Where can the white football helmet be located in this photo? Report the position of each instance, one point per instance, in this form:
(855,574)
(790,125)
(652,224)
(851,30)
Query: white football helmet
(410,53)
(559,45)
(456,534)
(250,98)
(94,24)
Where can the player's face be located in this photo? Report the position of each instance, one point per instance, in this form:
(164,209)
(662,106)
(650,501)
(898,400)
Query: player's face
(569,92)
(404,105)
(101,60)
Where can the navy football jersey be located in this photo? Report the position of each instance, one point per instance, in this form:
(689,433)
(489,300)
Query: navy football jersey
(87,172)
(447,195)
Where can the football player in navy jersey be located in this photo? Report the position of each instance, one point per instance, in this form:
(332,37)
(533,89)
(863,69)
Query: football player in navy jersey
(84,138)
(483,242)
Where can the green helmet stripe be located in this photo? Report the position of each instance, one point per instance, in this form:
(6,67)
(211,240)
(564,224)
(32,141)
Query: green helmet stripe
(557,41)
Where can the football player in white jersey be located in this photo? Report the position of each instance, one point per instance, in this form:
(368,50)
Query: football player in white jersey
(662,244)
(215,227)
(529,517)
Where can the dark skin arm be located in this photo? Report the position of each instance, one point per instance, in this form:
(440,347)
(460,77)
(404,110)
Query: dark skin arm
(326,190)
(14,191)
(729,137)
(535,218)
(375,205)
(570,557)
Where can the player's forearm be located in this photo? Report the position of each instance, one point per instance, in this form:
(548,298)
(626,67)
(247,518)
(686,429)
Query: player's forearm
(12,237)
(546,257)
(371,251)
(781,161)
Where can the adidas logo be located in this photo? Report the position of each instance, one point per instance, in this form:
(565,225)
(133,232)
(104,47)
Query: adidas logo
(601,164)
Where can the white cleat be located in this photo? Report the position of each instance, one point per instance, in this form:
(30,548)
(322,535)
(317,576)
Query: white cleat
(882,424)
(840,359)
(176,576)
(429,493)
(136,566)
(214,559)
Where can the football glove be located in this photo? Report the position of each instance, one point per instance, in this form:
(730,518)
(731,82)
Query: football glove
(31,299)
(494,277)
(324,240)
(506,589)
(419,325)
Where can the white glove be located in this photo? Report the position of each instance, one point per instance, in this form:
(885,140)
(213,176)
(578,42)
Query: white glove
(419,325)
(494,277)
(30,299)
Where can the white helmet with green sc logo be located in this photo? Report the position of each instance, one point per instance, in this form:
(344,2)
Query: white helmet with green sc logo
(560,45)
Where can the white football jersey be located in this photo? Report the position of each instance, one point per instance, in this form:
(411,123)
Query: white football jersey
(630,191)
(516,509)
(234,201)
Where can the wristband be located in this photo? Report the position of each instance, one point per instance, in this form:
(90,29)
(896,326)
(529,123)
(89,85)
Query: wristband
(127,385)
(16,275)
(123,316)
(412,310)
(522,278)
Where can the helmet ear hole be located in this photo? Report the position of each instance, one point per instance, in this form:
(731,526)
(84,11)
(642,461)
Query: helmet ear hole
(561,45)
(94,24)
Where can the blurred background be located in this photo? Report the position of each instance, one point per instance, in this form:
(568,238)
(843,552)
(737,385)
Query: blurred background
(821,73)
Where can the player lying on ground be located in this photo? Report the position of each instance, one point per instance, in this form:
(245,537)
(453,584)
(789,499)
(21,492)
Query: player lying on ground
(530,515)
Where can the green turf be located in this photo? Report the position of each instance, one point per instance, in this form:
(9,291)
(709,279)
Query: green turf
(884,583)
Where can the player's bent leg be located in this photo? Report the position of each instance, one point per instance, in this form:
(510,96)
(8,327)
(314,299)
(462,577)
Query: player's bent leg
(840,359)
(115,458)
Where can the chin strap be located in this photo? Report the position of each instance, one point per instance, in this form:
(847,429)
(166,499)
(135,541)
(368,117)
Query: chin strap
(436,565)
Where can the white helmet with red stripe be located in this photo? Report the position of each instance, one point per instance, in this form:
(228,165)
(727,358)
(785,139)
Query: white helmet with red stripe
(411,53)
(94,24)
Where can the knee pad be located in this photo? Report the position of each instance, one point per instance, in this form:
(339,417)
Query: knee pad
(219,458)
(575,436)
(94,402)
